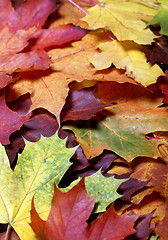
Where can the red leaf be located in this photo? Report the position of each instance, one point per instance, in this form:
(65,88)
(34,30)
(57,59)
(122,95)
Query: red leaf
(9,121)
(111,226)
(57,36)
(68,215)
(30,13)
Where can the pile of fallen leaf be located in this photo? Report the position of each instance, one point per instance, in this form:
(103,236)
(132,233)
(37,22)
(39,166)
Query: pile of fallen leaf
(84,119)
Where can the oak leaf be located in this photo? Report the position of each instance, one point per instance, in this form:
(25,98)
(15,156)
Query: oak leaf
(128,56)
(66,224)
(125,19)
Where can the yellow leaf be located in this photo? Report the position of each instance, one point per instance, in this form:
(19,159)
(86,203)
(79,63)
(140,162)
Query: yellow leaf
(39,166)
(126,19)
(126,55)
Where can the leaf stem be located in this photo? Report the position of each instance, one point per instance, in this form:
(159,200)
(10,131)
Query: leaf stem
(154,5)
(7,235)
(75,4)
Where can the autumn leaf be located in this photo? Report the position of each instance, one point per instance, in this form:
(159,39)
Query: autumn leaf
(41,122)
(25,15)
(161,17)
(68,64)
(70,14)
(154,171)
(68,224)
(128,56)
(15,35)
(123,127)
(40,165)
(125,19)
(81,105)
(105,188)
(47,89)
(161,228)
(64,222)
(10,121)
(158,51)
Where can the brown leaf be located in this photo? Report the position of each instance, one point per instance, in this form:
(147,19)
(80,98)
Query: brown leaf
(162,227)
(153,170)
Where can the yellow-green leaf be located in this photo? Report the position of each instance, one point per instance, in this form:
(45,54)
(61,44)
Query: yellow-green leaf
(105,188)
(127,55)
(39,166)
(126,19)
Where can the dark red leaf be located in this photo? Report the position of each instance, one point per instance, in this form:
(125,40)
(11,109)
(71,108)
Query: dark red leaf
(81,105)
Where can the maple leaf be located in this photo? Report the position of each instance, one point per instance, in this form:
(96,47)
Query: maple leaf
(161,17)
(128,56)
(123,127)
(70,224)
(39,166)
(10,121)
(81,105)
(68,64)
(20,32)
(104,187)
(15,34)
(125,19)
(47,89)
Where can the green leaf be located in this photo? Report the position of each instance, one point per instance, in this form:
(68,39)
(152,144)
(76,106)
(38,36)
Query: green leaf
(39,166)
(161,17)
(104,187)
(123,131)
